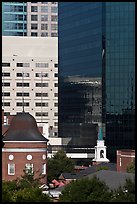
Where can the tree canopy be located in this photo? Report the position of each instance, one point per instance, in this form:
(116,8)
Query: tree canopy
(58,164)
(131,167)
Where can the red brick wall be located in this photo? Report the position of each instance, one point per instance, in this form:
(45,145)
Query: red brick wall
(124,158)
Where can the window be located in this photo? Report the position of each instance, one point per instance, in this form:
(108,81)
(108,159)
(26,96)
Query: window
(5,74)
(44,34)
(41,64)
(34,17)
(43,169)
(54,9)
(6,84)
(54,34)
(55,94)
(41,84)
(55,114)
(44,9)
(54,18)
(22,94)
(41,114)
(11,169)
(44,17)
(29,168)
(42,104)
(22,104)
(54,27)
(41,94)
(54,2)
(23,84)
(55,123)
(44,2)
(5,93)
(56,104)
(22,74)
(34,26)
(23,65)
(5,103)
(44,26)
(56,75)
(6,113)
(56,85)
(34,34)
(56,65)
(41,75)
(34,9)
(5,64)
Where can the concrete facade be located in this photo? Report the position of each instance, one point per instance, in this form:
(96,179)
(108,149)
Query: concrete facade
(34,62)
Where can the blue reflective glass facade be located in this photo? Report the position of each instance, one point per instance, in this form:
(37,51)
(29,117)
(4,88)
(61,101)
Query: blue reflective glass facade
(119,110)
(97,39)
(14,19)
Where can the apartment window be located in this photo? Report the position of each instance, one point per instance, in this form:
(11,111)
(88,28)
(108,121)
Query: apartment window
(41,114)
(41,104)
(29,168)
(54,2)
(5,93)
(5,74)
(34,34)
(56,104)
(56,65)
(44,17)
(34,8)
(54,34)
(55,114)
(11,169)
(22,64)
(56,85)
(22,104)
(6,113)
(41,64)
(54,18)
(41,94)
(55,94)
(41,84)
(54,27)
(44,9)
(34,17)
(44,26)
(6,64)
(55,123)
(54,9)
(22,74)
(23,84)
(22,94)
(34,26)
(43,169)
(5,103)
(44,2)
(5,84)
(41,75)
(56,75)
(44,34)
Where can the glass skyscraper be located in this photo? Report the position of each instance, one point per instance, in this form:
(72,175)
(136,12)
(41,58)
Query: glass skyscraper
(14,19)
(97,39)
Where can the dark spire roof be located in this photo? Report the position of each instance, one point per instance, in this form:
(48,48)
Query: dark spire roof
(24,128)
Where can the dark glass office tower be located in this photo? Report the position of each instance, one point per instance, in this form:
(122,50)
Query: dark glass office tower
(80,71)
(14,19)
(119,86)
(97,39)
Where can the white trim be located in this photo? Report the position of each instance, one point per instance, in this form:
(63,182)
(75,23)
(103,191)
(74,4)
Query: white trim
(24,150)
(44,169)
(25,141)
(131,156)
(9,169)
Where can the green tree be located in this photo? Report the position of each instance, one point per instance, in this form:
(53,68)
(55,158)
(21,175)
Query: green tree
(58,164)
(131,167)
(125,193)
(102,168)
(86,190)
(8,188)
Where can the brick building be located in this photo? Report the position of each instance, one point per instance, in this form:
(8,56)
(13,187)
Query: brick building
(124,158)
(25,149)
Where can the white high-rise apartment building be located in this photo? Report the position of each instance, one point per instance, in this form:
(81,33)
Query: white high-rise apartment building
(42,19)
(30,78)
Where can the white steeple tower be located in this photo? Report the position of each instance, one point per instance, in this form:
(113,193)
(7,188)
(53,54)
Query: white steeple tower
(100,149)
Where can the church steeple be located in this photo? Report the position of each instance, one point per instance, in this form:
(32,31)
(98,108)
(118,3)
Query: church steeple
(100,134)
